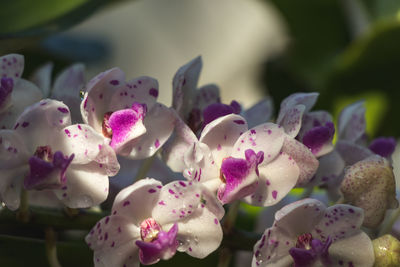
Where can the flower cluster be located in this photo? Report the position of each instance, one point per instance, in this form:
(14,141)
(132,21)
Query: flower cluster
(222,153)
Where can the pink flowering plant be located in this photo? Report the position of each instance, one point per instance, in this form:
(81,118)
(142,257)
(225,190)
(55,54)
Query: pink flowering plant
(62,141)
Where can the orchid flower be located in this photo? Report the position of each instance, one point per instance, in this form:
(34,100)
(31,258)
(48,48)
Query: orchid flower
(149,222)
(313,128)
(306,233)
(15,93)
(44,152)
(66,86)
(262,163)
(350,148)
(126,114)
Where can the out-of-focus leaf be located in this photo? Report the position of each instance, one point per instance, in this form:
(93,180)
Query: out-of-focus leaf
(319,32)
(381,9)
(371,63)
(23,21)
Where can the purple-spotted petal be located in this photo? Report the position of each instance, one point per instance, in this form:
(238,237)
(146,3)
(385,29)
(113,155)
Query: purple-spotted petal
(181,141)
(47,175)
(86,186)
(319,139)
(177,200)
(112,240)
(304,158)
(40,122)
(267,137)
(292,120)
(221,134)
(352,153)
(126,125)
(306,99)
(23,95)
(383,146)
(142,90)
(42,78)
(205,96)
(129,202)
(201,233)
(355,250)
(275,181)
(67,86)
(330,170)
(241,176)
(12,66)
(261,112)
(351,123)
(184,85)
(13,152)
(159,124)
(164,247)
(6,88)
(99,91)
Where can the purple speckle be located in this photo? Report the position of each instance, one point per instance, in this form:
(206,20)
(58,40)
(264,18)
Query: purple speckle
(216,221)
(126,203)
(114,82)
(182,183)
(25,124)
(62,110)
(157,143)
(351,210)
(274,194)
(152,190)
(153,92)
(161,203)
(171,191)
(253,131)
(239,121)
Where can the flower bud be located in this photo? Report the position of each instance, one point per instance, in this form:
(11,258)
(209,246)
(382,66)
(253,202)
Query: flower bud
(387,251)
(370,184)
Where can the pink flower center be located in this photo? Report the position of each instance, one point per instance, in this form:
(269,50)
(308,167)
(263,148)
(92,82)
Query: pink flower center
(44,153)
(106,128)
(149,230)
(304,241)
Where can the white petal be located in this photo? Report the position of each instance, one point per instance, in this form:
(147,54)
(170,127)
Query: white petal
(12,66)
(12,150)
(267,137)
(42,78)
(143,90)
(99,91)
(11,184)
(351,123)
(86,186)
(351,152)
(39,123)
(159,123)
(261,112)
(129,202)
(221,134)
(275,181)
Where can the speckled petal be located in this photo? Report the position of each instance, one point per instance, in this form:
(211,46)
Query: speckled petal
(113,241)
(355,250)
(67,86)
(351,123)
(12,66)
(200,165)
(304,158)
(267,137)
(142,90)
(292,120)
(129,202)
(41,77)
(261,112)
(99,91)
(306,99)
(177,200)
(40,122)
(159,123)
(221,134)
(339,221)
(86,186)
(11,184)
(12,150)
(330,169)
(23,95)
(351,153)
(181,141)
(201,233)
(275,181)
(184,84)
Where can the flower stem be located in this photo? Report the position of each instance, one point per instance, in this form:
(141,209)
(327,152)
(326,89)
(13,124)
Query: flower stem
(230,217)
(144,168)
(51,248)
(225,256)
(23,211)
(387,227)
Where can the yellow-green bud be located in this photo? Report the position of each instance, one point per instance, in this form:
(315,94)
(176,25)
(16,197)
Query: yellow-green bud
(387,251)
